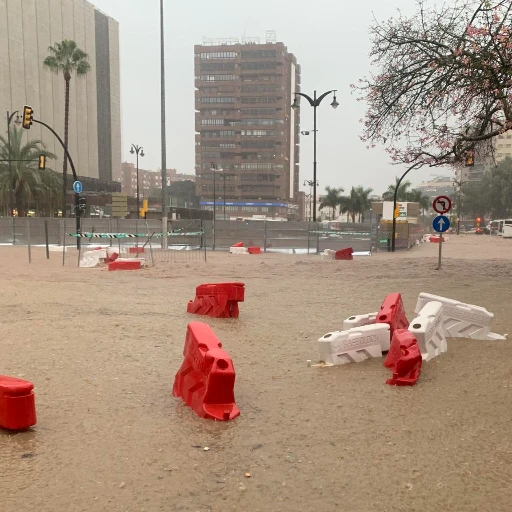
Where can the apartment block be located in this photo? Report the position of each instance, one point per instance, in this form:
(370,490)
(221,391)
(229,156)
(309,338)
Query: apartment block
(27,29)
(247,134)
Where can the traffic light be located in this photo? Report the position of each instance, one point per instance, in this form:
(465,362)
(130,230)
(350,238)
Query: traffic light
(478,219)
(470,158)
(28,117)
(82,205)
(42,162)
(144,209)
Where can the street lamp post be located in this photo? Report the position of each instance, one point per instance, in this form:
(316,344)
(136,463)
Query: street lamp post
(17,122)
(311,183)
(214,170)
(137,150)
(314,102)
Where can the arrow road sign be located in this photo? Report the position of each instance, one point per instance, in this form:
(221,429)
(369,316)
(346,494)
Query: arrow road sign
(441,224)
(442,204)
(77,187)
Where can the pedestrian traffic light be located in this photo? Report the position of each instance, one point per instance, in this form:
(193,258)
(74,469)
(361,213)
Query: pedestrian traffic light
(28,117)
(42,162)
(82,205)
(470,159)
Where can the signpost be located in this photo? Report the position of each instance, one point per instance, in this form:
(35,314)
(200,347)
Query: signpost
(77,187)
(119,205)
(442,204)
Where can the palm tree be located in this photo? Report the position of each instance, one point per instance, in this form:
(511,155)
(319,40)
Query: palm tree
(403,191)
(331,200)
(67,58)
(363,195)
(416,196)
(23,179)
(350,204)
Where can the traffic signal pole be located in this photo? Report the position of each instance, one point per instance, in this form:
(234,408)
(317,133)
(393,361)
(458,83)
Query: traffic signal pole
(75,178)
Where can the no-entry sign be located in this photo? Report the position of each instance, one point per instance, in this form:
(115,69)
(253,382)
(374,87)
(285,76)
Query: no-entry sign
(442,204)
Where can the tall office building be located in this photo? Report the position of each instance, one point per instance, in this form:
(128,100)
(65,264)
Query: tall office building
(246,128)
(27,29)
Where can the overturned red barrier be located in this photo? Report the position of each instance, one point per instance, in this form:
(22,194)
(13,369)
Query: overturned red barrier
(206,379)
(238,244)
(219,300)
(111,257)
(392,312)
(404,359)
(17,403)
(124,265)
(254,250)
(136,250)
(344,254)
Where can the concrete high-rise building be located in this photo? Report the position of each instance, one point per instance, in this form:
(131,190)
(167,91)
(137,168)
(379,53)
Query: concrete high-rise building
(27,29)
(246,128)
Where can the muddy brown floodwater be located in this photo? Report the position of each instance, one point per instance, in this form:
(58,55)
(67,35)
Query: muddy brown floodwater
(102,349)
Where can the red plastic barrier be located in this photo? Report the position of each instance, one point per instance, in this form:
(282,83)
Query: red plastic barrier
(17,403)
(124,265)
(112,257)
(392,312)
(206,379)
(344,254)
(254,250)
(238,244)
(404,359)
(136,250)
(219,300)
(435,239)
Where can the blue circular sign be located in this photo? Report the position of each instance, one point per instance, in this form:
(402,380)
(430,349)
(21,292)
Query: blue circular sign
(441,224)
(77,187)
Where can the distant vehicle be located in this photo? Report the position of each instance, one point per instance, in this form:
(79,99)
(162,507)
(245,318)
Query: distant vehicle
(479,231)
(497,226)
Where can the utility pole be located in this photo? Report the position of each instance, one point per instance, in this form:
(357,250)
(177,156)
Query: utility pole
(162,115)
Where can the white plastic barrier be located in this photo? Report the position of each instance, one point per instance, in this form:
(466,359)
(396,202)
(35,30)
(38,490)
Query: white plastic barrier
(328,254)
(359,320)
(142,260)
(428,330)
(90,259)
(462,320)
(238,250)
(354,345)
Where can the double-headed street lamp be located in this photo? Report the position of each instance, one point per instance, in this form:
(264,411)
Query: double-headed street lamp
(137,150)
(314,102)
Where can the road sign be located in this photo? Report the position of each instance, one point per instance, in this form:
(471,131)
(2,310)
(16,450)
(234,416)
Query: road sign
(442,204)
(441,224)
(77,187)
(119,205)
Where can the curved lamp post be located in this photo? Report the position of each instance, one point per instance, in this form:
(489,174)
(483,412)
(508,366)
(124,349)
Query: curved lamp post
(137,150)
(17,122)
(314,102)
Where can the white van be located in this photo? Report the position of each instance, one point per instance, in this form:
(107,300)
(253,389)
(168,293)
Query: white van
(507,228)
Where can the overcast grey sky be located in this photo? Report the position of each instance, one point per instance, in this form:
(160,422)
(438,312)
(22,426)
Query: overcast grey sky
(329,38)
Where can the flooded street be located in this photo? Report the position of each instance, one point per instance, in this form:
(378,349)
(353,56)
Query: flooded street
(102,349)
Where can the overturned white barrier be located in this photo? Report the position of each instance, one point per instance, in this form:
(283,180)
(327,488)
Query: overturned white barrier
(354,345)
(91,259)
(359,320)
(428,330)
(462,320)
(238,250)
(328,254)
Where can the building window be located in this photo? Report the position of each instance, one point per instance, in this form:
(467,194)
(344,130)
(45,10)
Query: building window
(217,66)
(218,99)
(258,133)
(257,167)
(212,122)
(258,111)
(220,133)
(218,55)
(217,78)
(259,88)
(258,54)
(258,99)
(258,78)
(261,122)
(258,143)
(255,66)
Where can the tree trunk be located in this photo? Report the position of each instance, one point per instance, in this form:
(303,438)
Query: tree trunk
(67,78)
(353,217)
(19,203)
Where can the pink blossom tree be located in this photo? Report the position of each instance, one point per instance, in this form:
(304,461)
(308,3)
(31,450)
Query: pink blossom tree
(442,88)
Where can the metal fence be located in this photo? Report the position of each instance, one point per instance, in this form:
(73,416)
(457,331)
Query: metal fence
(190,238)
